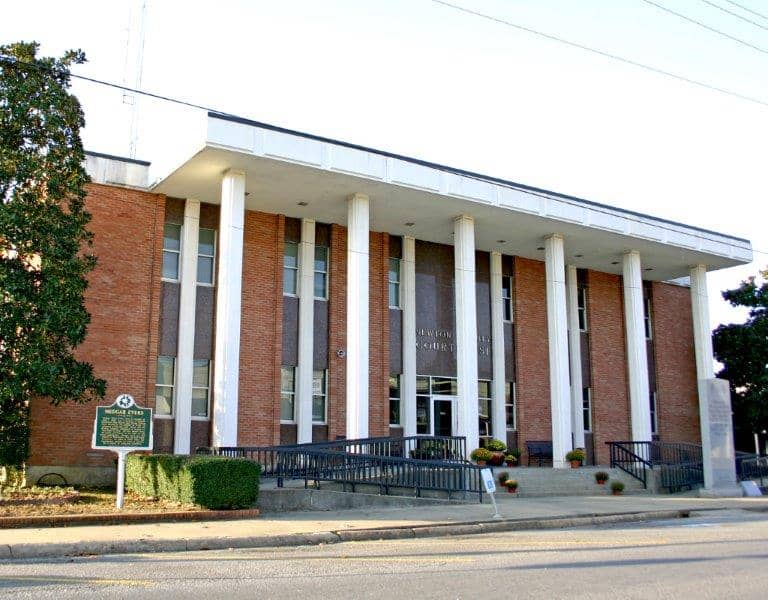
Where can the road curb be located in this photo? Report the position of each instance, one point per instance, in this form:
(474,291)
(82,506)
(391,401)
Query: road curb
(22,551)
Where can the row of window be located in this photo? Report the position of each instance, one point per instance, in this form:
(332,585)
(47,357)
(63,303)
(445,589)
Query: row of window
(288,395)
(165,387)
(206,253)
(448,386)
(291,270)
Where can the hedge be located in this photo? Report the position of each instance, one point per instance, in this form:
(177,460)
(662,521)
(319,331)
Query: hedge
(210,481)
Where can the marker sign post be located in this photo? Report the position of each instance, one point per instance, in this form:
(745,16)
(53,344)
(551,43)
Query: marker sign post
(122,427)
(490,487)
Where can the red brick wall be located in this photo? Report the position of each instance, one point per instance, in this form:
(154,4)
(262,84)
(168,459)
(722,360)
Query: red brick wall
(378,307)
(123,299)
(676,386)
(261,330)
(337,334)
(610,396)
(531,352)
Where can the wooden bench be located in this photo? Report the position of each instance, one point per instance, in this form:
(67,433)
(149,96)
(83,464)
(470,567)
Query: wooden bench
(541,450)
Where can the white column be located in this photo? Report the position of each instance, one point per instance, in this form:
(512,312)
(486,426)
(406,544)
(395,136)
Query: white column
(574,347)
(228,299)
(306,332)
(408,299)
(557,336)
(637,358)
(466,328)
(357,316)
(186,339)
(702,343)
(498,391)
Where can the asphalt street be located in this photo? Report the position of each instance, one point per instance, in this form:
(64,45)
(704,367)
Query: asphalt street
(722,554)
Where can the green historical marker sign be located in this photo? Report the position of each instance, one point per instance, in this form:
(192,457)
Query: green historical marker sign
(123,426)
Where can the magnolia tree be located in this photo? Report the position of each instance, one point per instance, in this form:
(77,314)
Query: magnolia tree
(44,244)
(743,350)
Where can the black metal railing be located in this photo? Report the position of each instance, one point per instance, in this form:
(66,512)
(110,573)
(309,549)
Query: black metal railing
(753,468)
(680,465)
(412,463)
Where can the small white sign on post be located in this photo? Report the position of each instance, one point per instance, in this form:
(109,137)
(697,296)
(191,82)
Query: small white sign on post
(122,427)
(490,487)
(750,489)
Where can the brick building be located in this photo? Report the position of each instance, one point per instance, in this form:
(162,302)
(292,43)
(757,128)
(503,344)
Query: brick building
(277,287)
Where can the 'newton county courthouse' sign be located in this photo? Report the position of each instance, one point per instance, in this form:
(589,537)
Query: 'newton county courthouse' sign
(441,340)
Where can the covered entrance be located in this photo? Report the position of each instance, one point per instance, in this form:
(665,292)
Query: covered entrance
(436,411)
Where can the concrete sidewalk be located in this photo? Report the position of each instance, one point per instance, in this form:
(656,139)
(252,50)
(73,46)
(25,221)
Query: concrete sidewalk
(317,527)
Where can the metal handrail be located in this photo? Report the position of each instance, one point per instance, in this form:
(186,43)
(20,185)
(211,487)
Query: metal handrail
(680,464)
(352,469)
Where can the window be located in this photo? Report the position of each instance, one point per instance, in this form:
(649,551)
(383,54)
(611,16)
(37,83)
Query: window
(484,408)
(506,297)
(654,413)
(206,250)
(647,318)
(586,405)
(422,415)
(287,393)
(319,394)
(510,401)
(394,401)
(290,268)
(201,386)
(394,283)
(171,251)
(164,386)
(321,272)
(581,295)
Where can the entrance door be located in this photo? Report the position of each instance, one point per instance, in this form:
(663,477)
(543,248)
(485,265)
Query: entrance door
(443,415)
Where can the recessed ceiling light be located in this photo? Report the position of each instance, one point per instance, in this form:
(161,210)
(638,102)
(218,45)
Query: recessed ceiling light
(501,241)
(540,248)
(302,203)
(247,194)
(410,224)
(649,268)
(615,262)
(578,256)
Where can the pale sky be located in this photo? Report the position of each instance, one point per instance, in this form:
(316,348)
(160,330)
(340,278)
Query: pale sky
(420,79)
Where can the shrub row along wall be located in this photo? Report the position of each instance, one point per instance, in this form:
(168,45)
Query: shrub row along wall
(208,481)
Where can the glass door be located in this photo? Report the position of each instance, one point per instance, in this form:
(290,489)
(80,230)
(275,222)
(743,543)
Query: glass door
(445,417)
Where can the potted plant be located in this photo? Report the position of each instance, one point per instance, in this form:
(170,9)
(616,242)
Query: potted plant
(512,457)
(576,457)
(511,485)
(617,487)
(503,478)
(601,477)
(497,448)
(481,456)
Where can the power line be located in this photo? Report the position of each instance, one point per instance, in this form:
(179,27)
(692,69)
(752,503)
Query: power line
(735,14)
(13,59)
(705,26)
(603,53)
(749,10)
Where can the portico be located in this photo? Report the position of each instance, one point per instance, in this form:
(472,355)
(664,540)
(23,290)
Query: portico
(432,214)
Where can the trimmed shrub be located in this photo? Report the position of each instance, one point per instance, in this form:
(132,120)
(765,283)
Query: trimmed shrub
(214,482)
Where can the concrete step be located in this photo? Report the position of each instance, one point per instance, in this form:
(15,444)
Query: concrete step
(545,481)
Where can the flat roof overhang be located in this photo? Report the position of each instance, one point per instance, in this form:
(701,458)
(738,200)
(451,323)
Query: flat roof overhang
(286,169)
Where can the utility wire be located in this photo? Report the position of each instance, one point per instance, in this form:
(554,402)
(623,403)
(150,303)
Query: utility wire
(603,53)
(495,181)
(735,14)
(705,26)
(749,10)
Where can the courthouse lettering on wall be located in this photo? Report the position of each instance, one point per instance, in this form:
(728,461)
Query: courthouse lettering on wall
(442,340)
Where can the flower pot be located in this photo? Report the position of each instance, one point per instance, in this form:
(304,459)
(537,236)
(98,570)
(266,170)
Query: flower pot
(511,490)
(497,459)
(575,464)
(601,482)
(480,463)
(511,463)
(617,492)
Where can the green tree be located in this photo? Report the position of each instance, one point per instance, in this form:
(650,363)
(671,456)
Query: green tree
(44,244)
(743,350)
